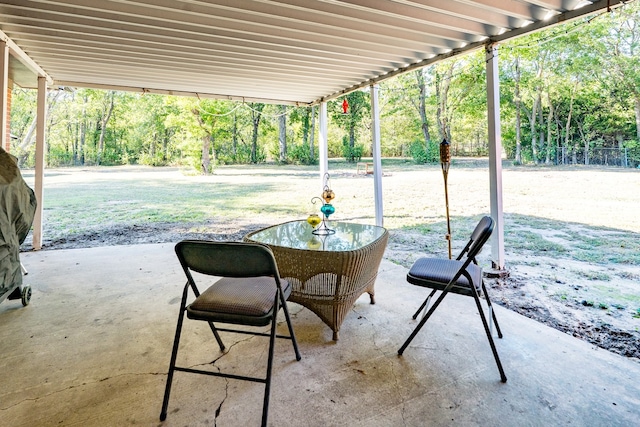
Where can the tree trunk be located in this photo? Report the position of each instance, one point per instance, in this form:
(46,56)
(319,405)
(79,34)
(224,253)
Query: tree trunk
(206,159)
(207,143)
(422,110)
(568,125)
(83,130)
(28,138)
(305,126)
(516,95)
(282,133)
(103,125)
(541,127)
(352,136)
(234,137)
(256,115)
(547,159)
(442,92)
(637,111)
(574,154)
(534,133)
(577,144)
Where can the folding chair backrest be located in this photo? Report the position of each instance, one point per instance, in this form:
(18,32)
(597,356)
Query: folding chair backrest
(479,237)
(227,259)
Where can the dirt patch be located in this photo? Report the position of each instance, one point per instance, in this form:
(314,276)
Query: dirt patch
(560,293)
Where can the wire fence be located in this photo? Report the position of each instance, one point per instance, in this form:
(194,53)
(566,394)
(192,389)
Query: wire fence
(595,156)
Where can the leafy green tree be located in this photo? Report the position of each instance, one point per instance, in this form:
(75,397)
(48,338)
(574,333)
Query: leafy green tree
(256,116)
(213,117)
(359,107)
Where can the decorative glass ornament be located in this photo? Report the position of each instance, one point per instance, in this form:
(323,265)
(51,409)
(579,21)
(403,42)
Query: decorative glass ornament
(314,220)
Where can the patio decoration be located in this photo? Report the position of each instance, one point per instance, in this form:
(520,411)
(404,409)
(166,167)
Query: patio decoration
(327,210)
(345,106)
(445,161)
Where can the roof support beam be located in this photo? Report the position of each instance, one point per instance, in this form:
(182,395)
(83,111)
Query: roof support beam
(377,160)
(323,144)
(4,95)
(23,57)
(41,119)
(495,156)
(198,95)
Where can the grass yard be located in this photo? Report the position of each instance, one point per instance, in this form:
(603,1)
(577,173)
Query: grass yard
(572,234)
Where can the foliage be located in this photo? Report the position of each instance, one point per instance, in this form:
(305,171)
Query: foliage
(351,154)
(300,155)
(566,94)
(422,155)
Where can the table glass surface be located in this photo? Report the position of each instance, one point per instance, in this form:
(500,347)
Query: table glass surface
(298,235)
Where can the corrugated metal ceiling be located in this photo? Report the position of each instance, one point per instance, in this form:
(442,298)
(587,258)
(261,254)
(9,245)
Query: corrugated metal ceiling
(290,52)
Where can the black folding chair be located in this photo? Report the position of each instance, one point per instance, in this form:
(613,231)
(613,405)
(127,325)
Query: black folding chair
(460,276)
(250,293)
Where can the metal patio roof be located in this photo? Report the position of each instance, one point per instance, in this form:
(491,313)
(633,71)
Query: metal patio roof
(284,52)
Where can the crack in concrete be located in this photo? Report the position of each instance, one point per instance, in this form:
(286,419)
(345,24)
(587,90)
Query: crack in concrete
(218,410)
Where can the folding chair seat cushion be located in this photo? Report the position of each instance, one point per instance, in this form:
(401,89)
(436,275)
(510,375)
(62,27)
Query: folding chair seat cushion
(246,301)
(436,273)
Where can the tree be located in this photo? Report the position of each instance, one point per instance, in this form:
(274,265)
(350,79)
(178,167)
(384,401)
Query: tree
(359,107)
(213,118)
(256,116)
(107,110)
(282,133)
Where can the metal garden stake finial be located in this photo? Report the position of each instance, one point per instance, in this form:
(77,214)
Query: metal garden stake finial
(445,161)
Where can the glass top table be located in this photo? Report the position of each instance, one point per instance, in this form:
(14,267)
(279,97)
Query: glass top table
(328,273)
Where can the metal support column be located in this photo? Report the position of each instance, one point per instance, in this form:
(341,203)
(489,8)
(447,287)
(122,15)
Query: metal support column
(323,143)
(39,172)
(377,161)
(495,156)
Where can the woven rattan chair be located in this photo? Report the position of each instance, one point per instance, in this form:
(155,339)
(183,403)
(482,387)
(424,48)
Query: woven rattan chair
(461,276)
(250,293)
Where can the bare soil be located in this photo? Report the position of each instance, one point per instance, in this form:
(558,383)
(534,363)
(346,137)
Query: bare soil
(595,300)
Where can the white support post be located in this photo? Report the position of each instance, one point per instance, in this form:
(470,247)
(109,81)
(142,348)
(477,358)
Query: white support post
(323,143)
(495,156)
(41,119)
(4,93)
(377,161)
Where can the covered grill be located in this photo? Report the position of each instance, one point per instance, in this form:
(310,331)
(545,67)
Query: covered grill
(17,208)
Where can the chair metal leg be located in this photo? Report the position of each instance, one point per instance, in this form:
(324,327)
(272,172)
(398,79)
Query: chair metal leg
(503,377)
(217,335)
(290,326)
(425,304)
(435,305)
(174,354)
(267,383)
(492,311)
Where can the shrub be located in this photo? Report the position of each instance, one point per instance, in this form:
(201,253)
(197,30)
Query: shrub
(299,155)
(420,154)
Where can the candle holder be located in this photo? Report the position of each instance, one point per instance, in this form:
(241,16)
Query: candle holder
(320,224)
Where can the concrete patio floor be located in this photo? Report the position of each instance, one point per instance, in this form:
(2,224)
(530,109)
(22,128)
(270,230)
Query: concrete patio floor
(93,347)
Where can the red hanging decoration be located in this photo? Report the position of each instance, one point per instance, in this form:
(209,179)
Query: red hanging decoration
(345,106)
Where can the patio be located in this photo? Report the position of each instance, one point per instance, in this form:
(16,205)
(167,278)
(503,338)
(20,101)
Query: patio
(93,349)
